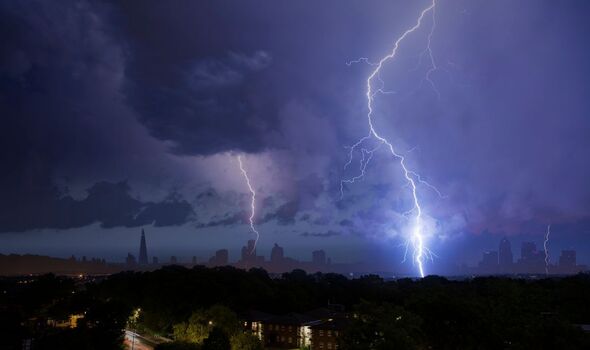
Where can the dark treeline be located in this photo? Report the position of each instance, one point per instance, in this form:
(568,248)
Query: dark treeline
(430,313)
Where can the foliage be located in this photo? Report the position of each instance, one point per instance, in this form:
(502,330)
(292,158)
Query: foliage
(177,345)
(217,340)
(224,319)
(245,341)
(195,330)
(477,313)
(201,322)
(382,326)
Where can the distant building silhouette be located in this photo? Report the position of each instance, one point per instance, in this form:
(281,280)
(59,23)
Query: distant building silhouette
(277,254)
(531,260)
(173,260)
(489,262)
(194,260)
(528,250)
(568,263)
(279,262)
(249,251)
(155,260)
(318,257)
(143,258)
(221,258)
(505,258)
(249,257)
(130,260)
(567,259)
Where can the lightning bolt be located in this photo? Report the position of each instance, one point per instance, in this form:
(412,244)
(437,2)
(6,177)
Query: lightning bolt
(546,250)
(366,156)
(252,203)
(413,179)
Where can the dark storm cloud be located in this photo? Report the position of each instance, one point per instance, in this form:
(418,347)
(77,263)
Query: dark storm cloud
(109,204)
(322,221)
(227,221)
(346,223)
(63,115)
(321,234)
(307,191)
(46,75)
(95,90)
(205,106)
(230,71)
(285,213)
(200,93)
(213,77)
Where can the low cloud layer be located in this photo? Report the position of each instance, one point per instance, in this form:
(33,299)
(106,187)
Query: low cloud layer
(109,204)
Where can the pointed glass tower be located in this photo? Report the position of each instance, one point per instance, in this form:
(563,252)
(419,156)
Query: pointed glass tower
(143,259)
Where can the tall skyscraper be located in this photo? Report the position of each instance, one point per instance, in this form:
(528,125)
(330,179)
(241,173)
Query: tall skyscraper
(277,254)
(528,250)
(567,259)
(249,252)
(318,257)
(143,258)
(531,260)
(130,260)
(489,262)
(505,258)
(221,258)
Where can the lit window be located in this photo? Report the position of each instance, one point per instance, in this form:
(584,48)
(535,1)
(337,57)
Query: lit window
(335,333)
(321,332)
(290,328)
(329,345)
(329,333)
(290,340)
(321,345)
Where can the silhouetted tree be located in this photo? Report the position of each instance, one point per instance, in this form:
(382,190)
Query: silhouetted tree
(381,327)
(245,341)
(217,340)
(177,345)
(201,322)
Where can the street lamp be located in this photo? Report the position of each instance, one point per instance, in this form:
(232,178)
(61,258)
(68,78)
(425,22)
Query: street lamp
(133,322)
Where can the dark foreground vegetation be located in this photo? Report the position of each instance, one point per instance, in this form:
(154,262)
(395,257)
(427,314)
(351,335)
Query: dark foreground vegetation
(200,308)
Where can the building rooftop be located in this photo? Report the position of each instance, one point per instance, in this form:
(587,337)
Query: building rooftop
(255,315)
(335,324)
(292,319)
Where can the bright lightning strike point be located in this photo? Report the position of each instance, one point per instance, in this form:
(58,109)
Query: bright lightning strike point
(546,250)
(417,238)
(252,203)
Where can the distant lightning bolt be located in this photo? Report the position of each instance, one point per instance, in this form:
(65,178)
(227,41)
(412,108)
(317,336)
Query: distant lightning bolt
(417,239)
(368,154)
(360,60)
(546,250)
(252,203)
(428,50)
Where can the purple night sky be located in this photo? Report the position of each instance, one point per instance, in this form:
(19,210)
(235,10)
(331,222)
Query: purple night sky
(122,115)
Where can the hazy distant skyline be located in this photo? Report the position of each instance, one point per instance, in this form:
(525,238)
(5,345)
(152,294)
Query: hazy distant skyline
(117,116)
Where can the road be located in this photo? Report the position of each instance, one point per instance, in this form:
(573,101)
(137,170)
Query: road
(134,341)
